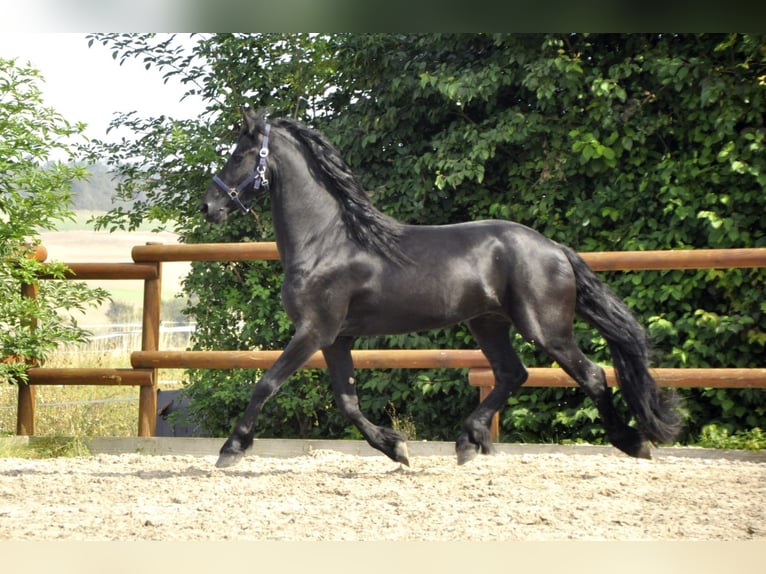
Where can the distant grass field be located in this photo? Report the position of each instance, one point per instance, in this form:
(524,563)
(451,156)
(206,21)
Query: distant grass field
(82,218)
(77,242)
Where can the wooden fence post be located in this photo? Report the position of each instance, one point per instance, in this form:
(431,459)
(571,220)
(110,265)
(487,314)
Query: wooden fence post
(150,341)
(25,411)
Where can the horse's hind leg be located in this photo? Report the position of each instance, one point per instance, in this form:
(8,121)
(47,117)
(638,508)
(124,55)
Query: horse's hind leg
(341,369)
(592,379)
(556,339)
(493,336)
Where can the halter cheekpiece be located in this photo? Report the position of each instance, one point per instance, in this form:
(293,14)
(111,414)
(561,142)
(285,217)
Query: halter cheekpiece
(257,178)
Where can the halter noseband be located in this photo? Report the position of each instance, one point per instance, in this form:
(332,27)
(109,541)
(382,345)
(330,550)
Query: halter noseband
(257,178)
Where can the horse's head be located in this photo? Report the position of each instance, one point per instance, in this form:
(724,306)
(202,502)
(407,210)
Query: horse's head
(243,176)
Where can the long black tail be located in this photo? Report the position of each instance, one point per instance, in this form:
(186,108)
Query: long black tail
(656,411)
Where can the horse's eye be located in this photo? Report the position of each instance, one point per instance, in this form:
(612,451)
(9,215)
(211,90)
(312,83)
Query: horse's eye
(236,159)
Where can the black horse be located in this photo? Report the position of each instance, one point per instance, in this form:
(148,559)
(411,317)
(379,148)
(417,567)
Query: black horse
(350,270)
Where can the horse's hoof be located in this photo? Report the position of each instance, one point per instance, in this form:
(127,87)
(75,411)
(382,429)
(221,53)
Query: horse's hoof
(644,451)
(228,459)
(631,443)
(401,454)
(466,453)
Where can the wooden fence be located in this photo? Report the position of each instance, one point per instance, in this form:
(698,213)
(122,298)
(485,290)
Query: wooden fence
(147,267)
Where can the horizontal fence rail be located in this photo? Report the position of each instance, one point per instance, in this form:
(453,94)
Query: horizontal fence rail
(746,258)
(266,250)
(147,266)
(678,378)
(90,376)
(480,374)
(84,271)
(370,359)
(597,260)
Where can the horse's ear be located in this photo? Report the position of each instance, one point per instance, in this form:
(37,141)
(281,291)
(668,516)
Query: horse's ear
(251,119)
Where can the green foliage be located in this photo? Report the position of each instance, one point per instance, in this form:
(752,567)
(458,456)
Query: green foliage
(714,436)
(602,142)
(550,415)
(34,195)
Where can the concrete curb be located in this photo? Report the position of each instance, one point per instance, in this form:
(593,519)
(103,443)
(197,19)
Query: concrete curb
(285,448)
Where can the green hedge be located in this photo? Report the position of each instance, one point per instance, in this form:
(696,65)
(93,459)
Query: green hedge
(603,142)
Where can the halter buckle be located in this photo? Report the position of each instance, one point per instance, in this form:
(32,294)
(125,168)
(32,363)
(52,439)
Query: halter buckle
(260,179)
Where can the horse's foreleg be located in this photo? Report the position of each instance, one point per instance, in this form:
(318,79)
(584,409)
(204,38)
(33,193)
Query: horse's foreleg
(297,352)
(494,339)
(341,368)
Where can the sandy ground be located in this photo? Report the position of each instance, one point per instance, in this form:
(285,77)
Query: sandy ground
(326,495)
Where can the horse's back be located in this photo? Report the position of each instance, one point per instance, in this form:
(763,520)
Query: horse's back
(507,242)
(453,273)
(508,260)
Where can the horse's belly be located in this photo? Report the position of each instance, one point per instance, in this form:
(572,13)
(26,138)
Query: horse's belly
(414,311)
(446,283)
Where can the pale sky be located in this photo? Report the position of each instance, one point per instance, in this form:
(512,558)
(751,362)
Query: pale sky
(86,84)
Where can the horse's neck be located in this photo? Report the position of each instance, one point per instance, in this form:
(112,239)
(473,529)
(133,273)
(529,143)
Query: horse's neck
(307,222)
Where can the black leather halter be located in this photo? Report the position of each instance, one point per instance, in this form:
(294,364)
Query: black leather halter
(257,178)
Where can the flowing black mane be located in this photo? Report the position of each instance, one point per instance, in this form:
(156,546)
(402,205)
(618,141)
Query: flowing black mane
(367,226)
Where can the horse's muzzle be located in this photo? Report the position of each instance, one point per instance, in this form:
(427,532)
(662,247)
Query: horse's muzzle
(212,213)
